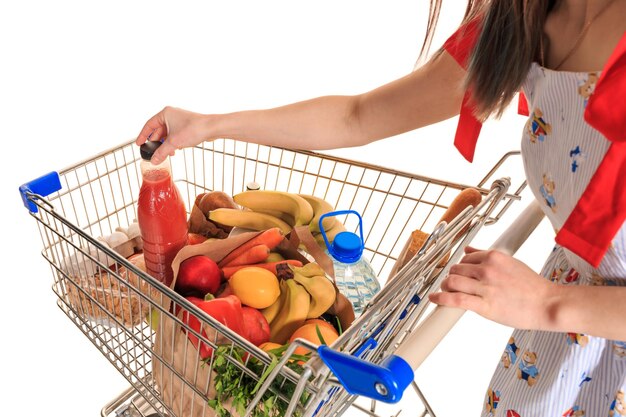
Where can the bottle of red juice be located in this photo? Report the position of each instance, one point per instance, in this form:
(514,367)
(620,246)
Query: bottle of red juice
(161,215)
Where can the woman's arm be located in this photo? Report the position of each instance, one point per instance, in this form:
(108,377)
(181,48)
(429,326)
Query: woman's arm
(428,95)
(503,289)
(594,310)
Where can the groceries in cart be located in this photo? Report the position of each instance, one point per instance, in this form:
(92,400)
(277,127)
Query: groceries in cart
(271,290)
(258,318)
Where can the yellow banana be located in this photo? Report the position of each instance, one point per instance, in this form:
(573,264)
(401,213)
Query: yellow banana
(272,311)
(274,257)
(286,217)
(289,203)
(292,313)
(247,219)
(330,234)
(321,290)
(320,207)
(308,270)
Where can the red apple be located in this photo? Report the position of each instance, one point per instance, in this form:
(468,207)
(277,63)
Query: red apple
(195,238)
(198,275)
(256,327)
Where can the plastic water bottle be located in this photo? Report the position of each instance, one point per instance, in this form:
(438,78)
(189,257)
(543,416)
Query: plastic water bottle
(354,275)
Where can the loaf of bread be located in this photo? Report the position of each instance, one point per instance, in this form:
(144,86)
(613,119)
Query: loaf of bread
(466,198)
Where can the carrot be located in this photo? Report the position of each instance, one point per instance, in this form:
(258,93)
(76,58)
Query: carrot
(255,254)
(270,266)
(270,238)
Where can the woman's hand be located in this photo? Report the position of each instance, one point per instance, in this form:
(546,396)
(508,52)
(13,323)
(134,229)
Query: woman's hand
(180,129)
(499,288)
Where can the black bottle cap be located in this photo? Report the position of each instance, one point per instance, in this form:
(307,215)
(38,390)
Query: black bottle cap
(147,149)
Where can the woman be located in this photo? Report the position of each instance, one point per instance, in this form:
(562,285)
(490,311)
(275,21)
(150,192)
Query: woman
(567,356)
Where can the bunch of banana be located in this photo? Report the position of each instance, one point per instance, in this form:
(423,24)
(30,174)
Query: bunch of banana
(289,311)
(248,219)
(322,291)
(264,209)
(305,293)
(296,208)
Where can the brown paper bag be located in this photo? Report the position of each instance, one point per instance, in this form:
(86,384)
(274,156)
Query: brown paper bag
(176,362)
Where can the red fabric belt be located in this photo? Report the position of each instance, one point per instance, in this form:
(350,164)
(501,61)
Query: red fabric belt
(601,210)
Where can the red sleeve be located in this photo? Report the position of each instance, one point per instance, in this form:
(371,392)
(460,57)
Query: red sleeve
(606,109)
(522,105)
(461,44)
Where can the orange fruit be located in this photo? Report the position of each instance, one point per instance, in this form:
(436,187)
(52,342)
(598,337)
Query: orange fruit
(309,332)
(267,346)
(320,322)
(256,287)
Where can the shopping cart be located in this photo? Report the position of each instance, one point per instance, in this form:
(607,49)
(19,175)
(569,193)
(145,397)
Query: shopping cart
(77,206)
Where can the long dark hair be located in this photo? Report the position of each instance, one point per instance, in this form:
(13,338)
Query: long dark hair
(509,42)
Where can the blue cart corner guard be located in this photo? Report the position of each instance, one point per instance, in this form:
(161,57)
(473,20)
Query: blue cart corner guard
(385,382)
(42,186)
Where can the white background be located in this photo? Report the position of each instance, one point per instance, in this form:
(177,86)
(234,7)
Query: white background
(79,77)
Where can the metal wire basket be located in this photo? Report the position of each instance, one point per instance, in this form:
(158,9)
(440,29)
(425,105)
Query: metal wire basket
(112,301)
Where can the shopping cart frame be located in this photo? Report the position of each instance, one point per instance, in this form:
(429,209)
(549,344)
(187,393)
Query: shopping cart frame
(119,343)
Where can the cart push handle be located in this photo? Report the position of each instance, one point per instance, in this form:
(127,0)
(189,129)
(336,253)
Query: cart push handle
(386,382)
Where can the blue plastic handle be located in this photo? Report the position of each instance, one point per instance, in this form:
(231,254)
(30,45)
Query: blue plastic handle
(385,382)
(339,213)
(42,186)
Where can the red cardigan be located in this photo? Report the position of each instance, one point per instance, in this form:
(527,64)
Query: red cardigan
(601,210)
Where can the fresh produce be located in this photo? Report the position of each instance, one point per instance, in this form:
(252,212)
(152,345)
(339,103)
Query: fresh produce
(198,275)
(270,266)
(255,254)
(330,234)
(286,217)
(257,329)
(314,333)
(195,238)
(270,238)
(248,219)
(255,287)
(321,322)
(227,311)
(269,346)
(322,291)
(289,203)
(272,311)
(199,221)
(274,257)
(294,308)
(264,209)
(320,207)
(214,200)
(236,389)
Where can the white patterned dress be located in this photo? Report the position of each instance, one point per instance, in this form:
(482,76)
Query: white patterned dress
(562,374)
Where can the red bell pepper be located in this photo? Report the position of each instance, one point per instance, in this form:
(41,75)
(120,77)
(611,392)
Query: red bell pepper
(226,310)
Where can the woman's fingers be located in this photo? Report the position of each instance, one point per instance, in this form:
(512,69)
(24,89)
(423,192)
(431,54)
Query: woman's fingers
(475,256)
(153,129)
(166,149)
(461,283)
(471,270)
(457,300)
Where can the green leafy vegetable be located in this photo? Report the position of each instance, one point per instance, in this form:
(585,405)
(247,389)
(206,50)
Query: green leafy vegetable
(231,383)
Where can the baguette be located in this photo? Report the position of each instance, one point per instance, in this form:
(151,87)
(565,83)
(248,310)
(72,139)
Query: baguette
(466,198)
